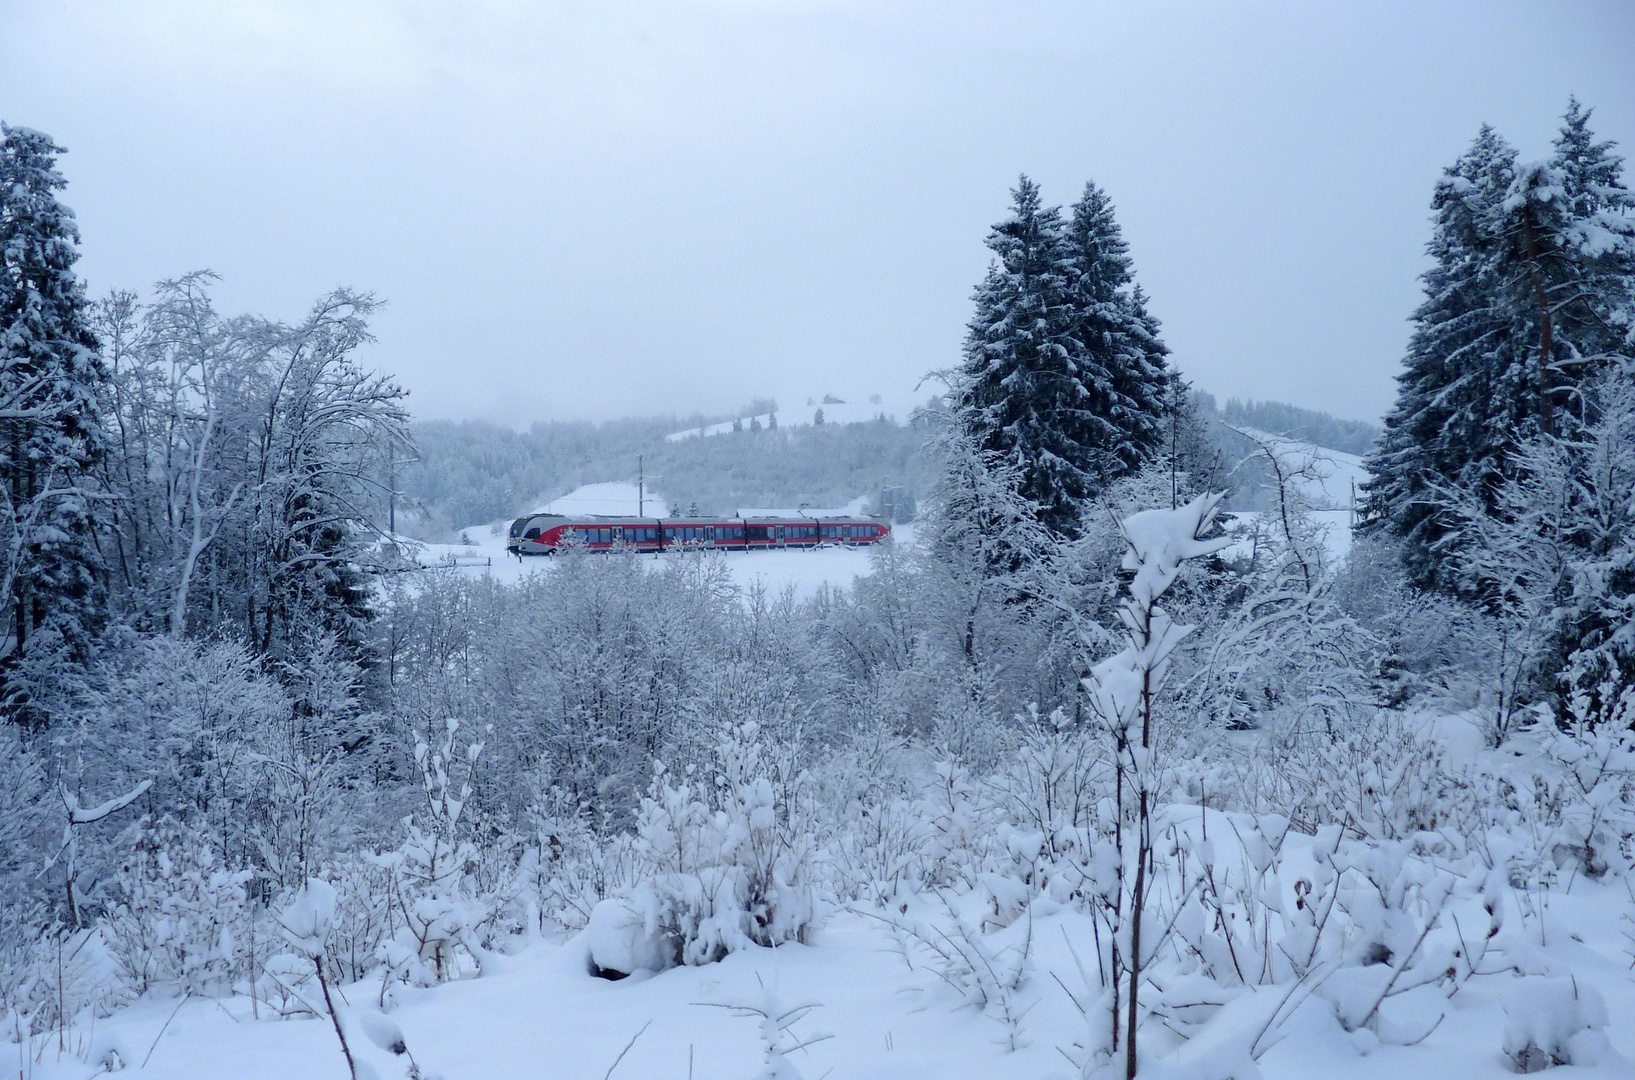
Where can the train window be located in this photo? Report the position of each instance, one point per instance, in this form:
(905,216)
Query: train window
(531,534)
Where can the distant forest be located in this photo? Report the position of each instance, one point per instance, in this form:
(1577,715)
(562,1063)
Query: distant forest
(473,472)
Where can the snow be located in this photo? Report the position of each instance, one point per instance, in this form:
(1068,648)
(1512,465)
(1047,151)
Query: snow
(617,938)
(804,570)
(1327,478)
(545,1014)
(610,499)
(1557,1017)
(845,412)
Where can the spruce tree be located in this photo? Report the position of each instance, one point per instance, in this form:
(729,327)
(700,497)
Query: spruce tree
(1456,411)
(50,432)
(1016,394)
(1117,351)
(1529,302)
(1569,243)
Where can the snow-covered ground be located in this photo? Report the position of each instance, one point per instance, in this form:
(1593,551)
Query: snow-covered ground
(1328,482)
(803,570)
(876,990)
(1327,479)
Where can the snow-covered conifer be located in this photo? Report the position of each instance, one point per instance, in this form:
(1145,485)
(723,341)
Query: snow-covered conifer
(1453,419)
(1531,297)
(1116,351)
(50,426)
(1016,392)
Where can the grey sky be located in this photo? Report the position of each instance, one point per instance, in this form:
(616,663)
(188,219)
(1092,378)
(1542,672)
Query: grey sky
(596,209)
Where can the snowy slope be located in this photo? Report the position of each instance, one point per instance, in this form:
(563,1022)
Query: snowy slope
(898,412)
(611,499)
(1326,478)
(1328,483)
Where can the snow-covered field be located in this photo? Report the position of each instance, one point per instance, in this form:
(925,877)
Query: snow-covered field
(1326,479)
(878,989)
(804,571)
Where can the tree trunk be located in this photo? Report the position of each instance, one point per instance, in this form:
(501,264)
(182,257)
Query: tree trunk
(1546,406)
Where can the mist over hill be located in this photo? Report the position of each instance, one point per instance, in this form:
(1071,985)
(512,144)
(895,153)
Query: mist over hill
(475,471)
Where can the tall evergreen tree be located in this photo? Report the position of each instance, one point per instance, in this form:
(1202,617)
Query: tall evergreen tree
(1452,419)
(1017,395)
(50,431)
(1529,300)
(1117,351)
(1063,376)
(1569,246)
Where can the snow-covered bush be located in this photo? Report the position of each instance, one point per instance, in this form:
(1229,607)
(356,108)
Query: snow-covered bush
(52,978)
(363,915)
(1383,777)
(183,921)
(1587,791)
(725,868)
(1276,645)
(571,867)
(436,904)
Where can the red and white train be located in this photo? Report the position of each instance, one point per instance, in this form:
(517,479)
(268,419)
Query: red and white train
(547,534)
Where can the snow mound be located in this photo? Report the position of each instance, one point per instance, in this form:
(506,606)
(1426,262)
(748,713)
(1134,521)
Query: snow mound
(1555,1022)
(620,941)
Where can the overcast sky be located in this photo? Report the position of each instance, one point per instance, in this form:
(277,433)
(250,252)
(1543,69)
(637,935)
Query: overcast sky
(596,209)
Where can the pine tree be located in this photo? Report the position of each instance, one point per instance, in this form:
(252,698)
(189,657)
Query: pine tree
(1119,355)
(1529,301)
(50,431)
(1458,407)
(1016,394)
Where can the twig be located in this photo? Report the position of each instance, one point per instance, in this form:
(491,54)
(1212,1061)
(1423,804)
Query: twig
(631,1043)
(335,1018)
(162,1028)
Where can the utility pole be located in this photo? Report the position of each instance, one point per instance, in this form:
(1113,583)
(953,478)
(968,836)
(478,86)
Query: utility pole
(641,485)
(1174,443)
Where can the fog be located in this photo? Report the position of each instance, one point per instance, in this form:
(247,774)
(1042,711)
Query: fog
(603,209)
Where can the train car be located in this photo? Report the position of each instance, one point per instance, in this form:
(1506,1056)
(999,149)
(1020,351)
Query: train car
(548,534)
